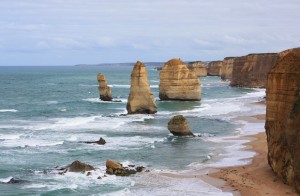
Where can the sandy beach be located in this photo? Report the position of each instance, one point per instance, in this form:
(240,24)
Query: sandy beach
(256,178)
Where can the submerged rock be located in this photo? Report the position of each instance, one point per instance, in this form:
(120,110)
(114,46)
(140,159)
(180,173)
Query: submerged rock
(15,181)
(140,100)
(101,141)
(104,89)
(116,168)
(179,126)
(78,166)
(283,117)
(177,82)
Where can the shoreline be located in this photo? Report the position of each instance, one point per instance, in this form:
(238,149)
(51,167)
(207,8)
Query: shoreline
(255,178)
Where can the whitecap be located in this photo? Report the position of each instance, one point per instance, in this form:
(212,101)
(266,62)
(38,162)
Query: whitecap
(5,180)
(9,137)
(29,142)
(51,102)
(119,86)
(153,86)
(97,100)
(8,110)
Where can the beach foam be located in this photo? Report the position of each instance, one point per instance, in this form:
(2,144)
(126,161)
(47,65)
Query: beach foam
(8,110)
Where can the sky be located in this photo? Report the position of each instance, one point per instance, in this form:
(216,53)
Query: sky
(69,32)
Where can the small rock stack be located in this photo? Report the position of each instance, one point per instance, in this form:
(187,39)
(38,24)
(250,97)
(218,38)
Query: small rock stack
(104,89)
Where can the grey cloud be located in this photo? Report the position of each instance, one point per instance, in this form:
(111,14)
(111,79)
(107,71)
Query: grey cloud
(152,30)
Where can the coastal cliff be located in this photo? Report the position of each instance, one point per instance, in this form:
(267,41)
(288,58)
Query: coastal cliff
(226,68)
(214,68)
(177,82)
(251,70)
(104,89)
(198,67)
(283,117)
(140,100)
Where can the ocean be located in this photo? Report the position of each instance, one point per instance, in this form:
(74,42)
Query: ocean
(48,112)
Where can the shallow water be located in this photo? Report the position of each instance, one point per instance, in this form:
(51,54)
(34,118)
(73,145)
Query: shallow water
(46,113)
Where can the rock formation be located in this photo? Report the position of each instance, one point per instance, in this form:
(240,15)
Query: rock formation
(78,166)
(15,181)
(283,117)
(179,126)
(104,89)
(214,68)
(226,68)
(198,67)
(101,141)
(177,82)
(140,100)
(251,70)
(116,168)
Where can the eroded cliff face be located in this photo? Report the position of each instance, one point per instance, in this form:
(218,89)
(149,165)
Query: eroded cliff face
(283,117)
(226,68)
(177,82)
(140,100)
(198,67)
(251,70)
(214,68)
(104,89)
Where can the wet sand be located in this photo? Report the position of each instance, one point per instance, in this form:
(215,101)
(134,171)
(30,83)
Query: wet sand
(256,178)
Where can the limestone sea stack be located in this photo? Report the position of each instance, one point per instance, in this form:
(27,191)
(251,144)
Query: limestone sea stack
(283,117)
(179,126)
(140,100)
(214,68)
(198,67)
(226,68)
(251,70)
(104,89)
(177,82)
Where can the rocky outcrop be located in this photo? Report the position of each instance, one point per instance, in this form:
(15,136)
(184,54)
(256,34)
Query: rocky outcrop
(214,68)
(101,141)
(140,100)
(104,89)
(177,82)
(78,166)
(179,126)
(283,117)
(14,181)
(198,67)
(116,168)
(226,68)
(251,70)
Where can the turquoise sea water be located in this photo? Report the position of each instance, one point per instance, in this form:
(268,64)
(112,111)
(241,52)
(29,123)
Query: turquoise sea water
(47,112)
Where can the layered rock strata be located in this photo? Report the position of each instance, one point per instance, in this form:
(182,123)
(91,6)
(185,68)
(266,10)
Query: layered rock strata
(104,89)
(140,100)
(283,117)
(226,68)
(214,68)
(198,67)
(177,82)
(251,70)
(179,126)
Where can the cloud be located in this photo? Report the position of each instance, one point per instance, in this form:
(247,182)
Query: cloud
(153,30)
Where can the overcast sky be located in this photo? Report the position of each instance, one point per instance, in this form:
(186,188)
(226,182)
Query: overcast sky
(67,32)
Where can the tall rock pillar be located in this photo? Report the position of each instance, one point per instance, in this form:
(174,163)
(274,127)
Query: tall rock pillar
(140,100)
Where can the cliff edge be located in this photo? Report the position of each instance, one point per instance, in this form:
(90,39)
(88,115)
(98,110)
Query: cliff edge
(283,117)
